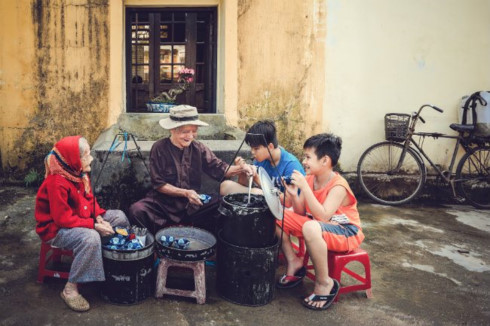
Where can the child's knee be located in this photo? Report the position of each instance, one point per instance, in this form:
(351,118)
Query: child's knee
(225,186)
(311,229)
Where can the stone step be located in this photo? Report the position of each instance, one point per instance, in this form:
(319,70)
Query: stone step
(145,127)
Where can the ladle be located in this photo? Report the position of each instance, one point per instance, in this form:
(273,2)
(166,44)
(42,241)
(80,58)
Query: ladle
(250,181)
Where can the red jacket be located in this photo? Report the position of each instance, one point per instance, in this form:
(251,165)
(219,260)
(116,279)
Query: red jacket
(61,203)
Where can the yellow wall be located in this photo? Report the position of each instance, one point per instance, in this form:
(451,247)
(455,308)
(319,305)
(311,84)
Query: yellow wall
(54,79)
(62,71)
(281,50)
(393,56)
(317,65)
(17,70)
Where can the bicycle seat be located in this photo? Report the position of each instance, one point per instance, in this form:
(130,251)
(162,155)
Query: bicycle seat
(462,128)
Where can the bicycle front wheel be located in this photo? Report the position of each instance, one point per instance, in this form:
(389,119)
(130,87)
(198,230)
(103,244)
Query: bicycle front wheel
(389,174)
(473,177)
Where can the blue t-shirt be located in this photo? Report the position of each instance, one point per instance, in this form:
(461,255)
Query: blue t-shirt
(286,166)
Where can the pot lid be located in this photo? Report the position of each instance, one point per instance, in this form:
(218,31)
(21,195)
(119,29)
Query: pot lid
(271,194)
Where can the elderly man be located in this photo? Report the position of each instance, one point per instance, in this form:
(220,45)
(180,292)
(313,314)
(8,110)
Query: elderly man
(176,166)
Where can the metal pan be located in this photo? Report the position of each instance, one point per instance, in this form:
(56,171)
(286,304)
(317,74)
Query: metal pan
(202,243)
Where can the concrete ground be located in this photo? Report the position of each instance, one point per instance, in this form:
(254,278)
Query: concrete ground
(430,266)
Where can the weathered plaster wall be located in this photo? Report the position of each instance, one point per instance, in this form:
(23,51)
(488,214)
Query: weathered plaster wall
(17,70)
(393,56)
(281,49)
(316,65)
(54,79)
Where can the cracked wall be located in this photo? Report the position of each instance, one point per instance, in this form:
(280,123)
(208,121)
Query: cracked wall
(54,79)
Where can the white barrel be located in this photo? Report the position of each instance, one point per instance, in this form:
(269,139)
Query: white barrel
(482,114)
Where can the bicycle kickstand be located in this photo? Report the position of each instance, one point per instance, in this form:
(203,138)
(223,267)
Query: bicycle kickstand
(456,197)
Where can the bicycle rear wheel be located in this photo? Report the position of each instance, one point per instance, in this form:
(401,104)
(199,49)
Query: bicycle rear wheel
(380,179)
(473,177)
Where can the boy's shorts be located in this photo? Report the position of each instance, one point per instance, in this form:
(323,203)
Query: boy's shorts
(339,237)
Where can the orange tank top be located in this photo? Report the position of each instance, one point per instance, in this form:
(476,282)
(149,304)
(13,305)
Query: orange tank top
(321,194)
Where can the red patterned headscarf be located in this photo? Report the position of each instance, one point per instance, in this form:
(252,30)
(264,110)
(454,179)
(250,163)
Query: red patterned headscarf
(64,159)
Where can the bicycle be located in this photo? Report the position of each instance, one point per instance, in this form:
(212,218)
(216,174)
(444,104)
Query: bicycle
(393,172)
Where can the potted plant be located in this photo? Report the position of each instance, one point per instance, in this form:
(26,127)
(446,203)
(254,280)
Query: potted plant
(165,100)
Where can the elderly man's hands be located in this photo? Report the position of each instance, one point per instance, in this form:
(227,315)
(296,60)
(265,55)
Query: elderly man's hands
(193,197)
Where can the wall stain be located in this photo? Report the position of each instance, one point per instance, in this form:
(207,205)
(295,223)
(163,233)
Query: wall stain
(284,107)
(71,90)
(243,7)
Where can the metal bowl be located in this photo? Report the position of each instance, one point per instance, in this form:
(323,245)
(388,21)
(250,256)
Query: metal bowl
(202,243)
(133,254)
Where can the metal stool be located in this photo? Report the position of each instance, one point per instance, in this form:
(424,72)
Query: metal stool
(56,254)
(337,262)
(198,267)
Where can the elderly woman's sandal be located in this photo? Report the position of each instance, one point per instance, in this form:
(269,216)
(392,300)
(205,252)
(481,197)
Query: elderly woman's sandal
(77,303)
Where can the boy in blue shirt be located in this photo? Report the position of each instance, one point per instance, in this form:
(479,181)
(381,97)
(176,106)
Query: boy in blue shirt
(262,139)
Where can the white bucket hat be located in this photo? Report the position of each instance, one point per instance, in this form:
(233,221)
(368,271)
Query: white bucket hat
(182,115)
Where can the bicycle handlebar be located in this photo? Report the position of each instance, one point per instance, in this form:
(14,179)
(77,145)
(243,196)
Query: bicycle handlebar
(431,106)
(436,108)
(418,116)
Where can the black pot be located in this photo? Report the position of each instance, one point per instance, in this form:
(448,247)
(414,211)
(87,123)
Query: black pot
(202,243)
(246,276)
(129,274)
(245,225)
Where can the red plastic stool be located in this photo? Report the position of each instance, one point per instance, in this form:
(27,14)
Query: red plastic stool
(55,256)
(337,262)
(198,267)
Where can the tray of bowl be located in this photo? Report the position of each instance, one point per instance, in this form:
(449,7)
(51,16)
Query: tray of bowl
(200,244)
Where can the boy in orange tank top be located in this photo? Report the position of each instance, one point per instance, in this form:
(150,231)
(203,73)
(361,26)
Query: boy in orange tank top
(324,214)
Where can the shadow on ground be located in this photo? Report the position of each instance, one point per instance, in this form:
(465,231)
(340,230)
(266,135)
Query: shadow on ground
(430,266)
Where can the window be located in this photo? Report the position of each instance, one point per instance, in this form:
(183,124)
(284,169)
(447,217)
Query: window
(162,41)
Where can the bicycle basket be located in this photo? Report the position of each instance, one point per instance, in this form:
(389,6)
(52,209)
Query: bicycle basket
(396,126)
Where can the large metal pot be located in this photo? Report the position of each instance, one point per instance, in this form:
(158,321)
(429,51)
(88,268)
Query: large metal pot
(246,225)
(202,243)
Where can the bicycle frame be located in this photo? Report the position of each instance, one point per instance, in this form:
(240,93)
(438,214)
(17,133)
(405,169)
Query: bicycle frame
(420,151)
(411,143)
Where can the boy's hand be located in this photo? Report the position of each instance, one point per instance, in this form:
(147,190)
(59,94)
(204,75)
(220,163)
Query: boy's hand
(253,170)
(299,180)
(291,189)
(248,169)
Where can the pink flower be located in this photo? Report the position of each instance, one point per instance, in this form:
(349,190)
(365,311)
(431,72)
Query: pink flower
(186,71)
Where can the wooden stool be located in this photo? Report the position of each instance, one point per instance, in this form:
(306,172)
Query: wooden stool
(56,254)
(199,292)
(337,262)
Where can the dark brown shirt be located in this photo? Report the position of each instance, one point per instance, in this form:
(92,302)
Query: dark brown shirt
(182,168)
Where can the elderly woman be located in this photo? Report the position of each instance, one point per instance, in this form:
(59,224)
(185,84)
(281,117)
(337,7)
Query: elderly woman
(176,166)
(68,215)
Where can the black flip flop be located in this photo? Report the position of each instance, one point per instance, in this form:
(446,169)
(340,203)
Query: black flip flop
(298,277)
(328,298)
